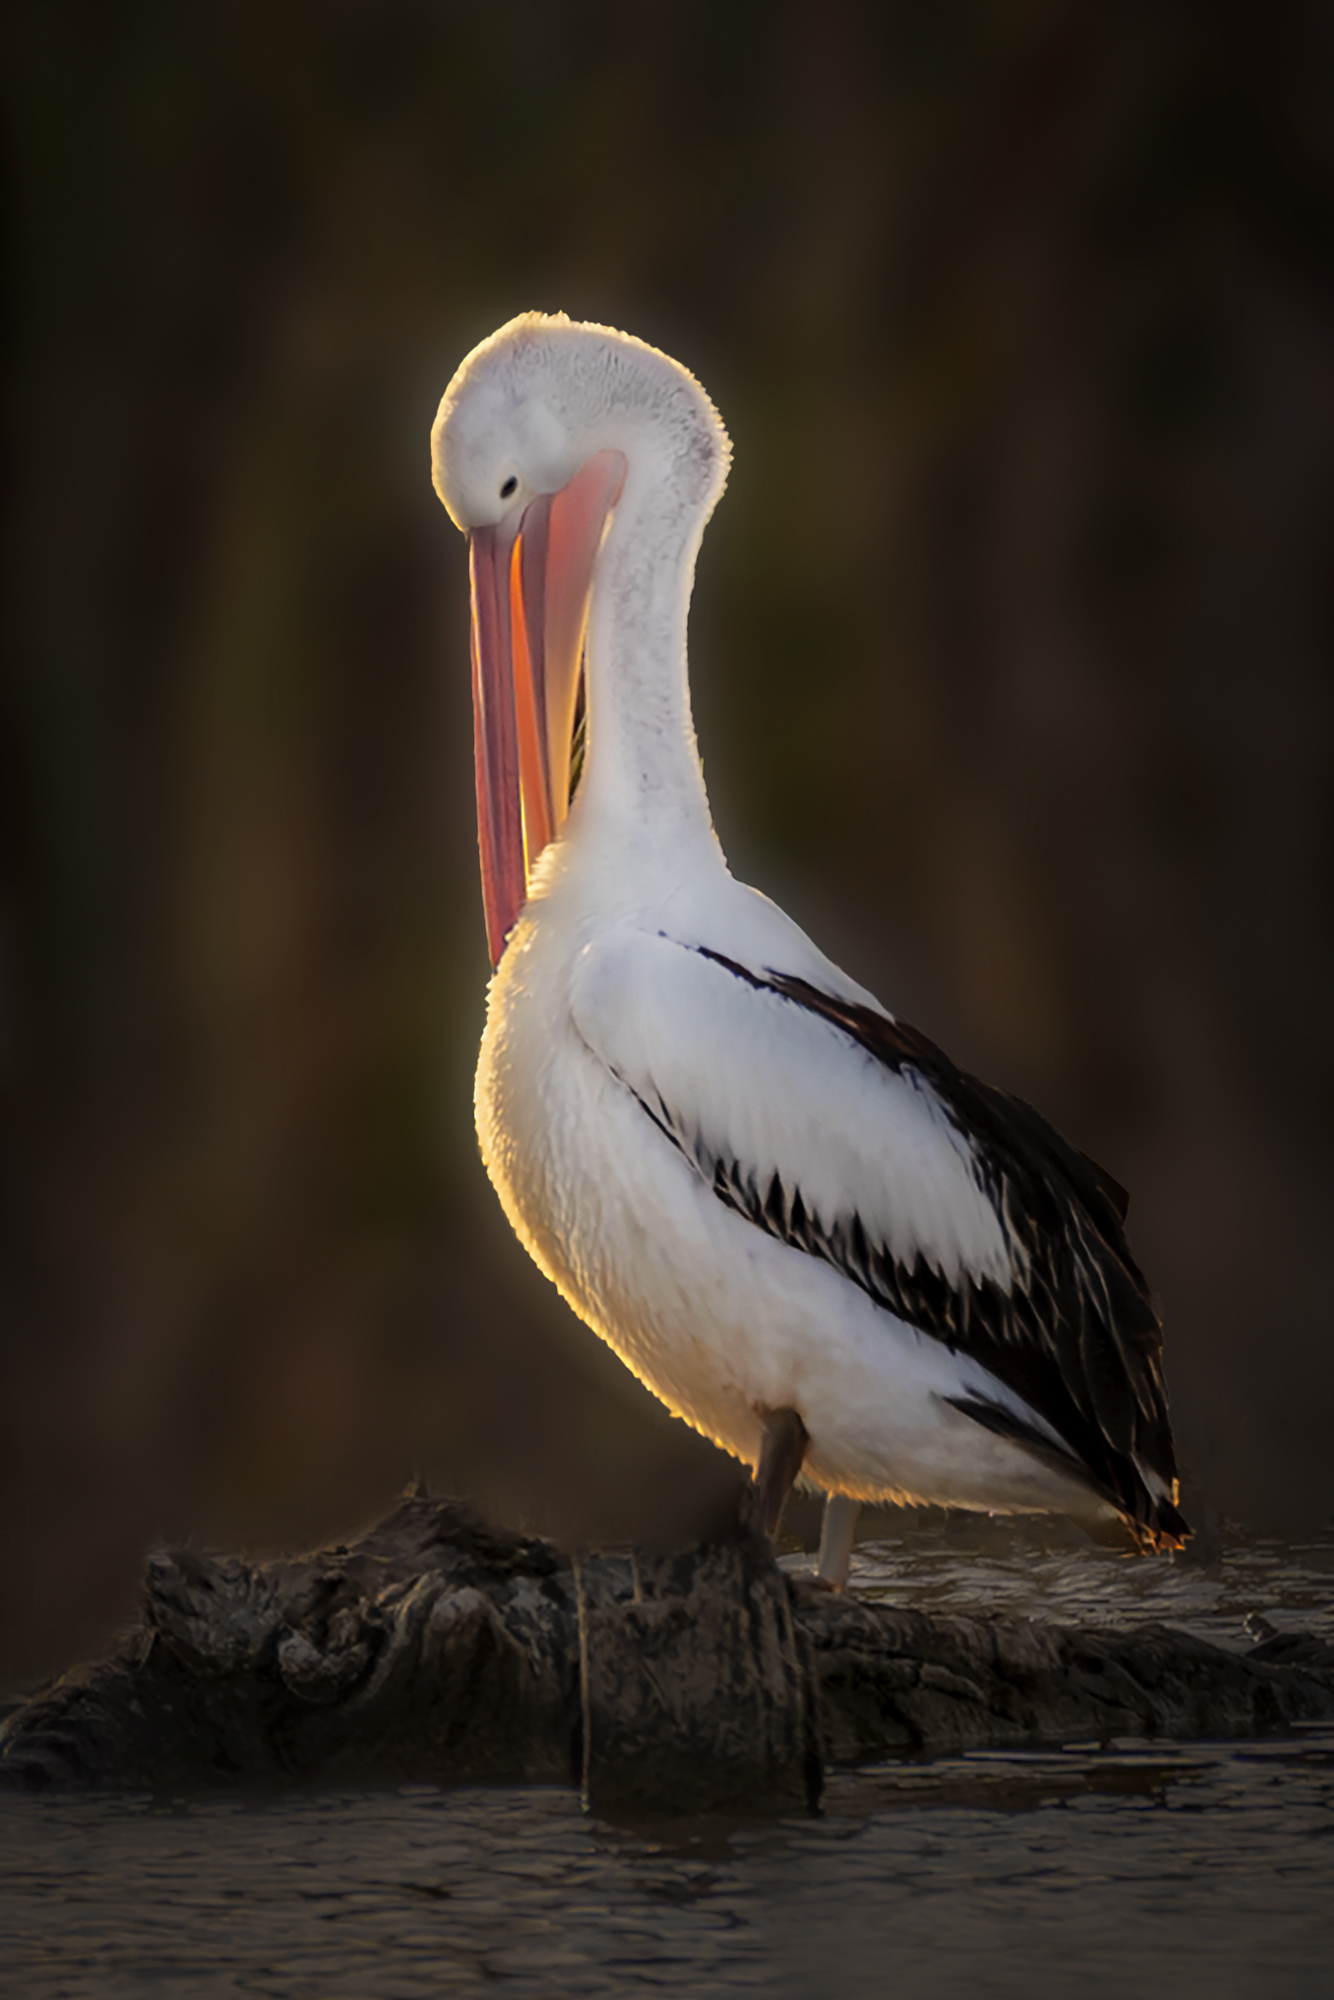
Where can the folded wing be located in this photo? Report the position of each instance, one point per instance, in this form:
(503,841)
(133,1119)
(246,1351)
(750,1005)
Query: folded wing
(955,1207)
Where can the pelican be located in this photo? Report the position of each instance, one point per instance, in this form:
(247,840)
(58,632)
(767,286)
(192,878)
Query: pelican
(827,1248)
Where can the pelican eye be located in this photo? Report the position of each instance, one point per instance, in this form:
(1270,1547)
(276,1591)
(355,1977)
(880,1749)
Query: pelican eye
(508,487)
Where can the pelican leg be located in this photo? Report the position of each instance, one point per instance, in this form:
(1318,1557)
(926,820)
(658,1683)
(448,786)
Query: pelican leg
(836,1533)
(784,1447)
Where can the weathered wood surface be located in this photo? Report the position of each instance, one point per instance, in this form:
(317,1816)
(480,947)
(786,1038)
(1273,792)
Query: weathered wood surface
(438,1648)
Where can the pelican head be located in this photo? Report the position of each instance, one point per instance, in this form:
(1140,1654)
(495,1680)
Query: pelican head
(549,429)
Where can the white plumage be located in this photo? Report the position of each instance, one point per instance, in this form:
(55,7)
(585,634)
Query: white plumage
(805,1230)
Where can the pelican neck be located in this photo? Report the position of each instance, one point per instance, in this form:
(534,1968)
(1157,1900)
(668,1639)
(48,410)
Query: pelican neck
(642,775)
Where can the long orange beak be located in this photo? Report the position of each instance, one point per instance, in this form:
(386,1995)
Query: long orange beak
(530,594)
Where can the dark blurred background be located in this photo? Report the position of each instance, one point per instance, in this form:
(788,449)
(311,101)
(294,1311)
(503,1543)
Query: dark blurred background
(1011,660)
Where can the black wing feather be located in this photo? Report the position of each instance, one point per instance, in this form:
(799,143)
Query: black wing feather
(1077,1335)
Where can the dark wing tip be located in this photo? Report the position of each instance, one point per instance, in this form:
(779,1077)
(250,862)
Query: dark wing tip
(1168,1530)
(1158,1526)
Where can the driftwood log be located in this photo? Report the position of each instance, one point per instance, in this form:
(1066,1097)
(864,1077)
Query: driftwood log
(441,1649)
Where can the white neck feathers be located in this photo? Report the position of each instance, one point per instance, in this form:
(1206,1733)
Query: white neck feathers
(643,771)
